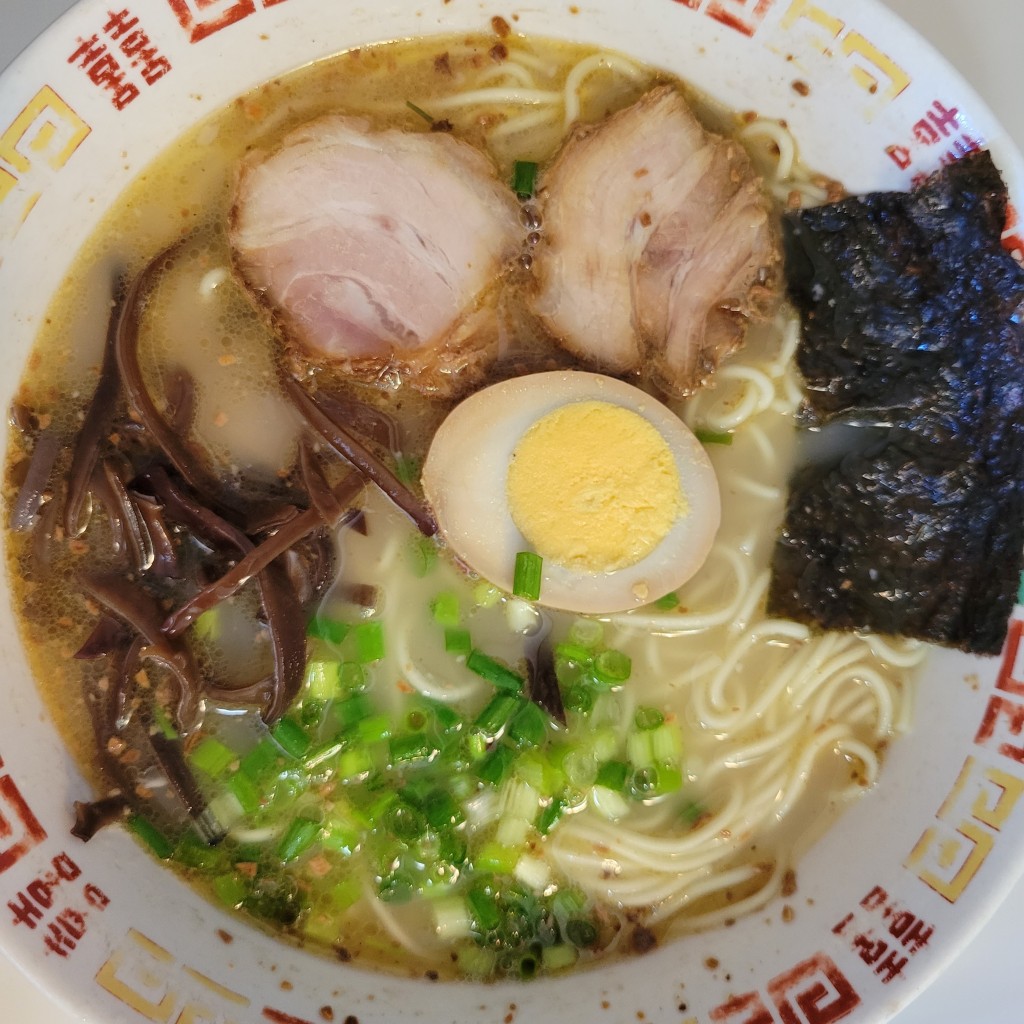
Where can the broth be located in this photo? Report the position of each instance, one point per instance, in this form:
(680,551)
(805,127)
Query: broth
(771,729)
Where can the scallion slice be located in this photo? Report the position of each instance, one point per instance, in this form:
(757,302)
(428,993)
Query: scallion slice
(369,641)
(331,630)
(498,675)
(151,836)
(212,757)
(713,437)
(457,641)
(419,112)
(446,609)
(302,833)
(527,579)
(524,177)
(292,738)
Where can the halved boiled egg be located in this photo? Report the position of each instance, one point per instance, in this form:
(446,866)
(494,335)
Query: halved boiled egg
(600,479)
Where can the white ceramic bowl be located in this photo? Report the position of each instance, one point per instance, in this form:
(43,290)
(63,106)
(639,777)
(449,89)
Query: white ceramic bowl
(886,898)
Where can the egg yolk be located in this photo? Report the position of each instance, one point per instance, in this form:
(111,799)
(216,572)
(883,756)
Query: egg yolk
(593,486)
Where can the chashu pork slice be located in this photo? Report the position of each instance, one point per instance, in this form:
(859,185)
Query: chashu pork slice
(378,250)
(660,244)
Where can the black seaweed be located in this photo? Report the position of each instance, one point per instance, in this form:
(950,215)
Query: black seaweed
(903,292)
(902,540)
(911,312)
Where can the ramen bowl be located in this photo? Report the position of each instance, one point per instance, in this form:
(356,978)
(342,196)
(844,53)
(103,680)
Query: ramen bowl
(881,901)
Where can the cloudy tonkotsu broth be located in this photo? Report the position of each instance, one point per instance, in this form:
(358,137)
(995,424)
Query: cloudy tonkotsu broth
(677,798)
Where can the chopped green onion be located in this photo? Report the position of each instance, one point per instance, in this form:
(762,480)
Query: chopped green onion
(354,764)
(292,738)
(500,676)
(212,757)
(445,609)
(322,756)
(419,111)
(311,712)
(302,833)
(446,719)
(369,641)
(341,836)
(350,712)
(496,859)
(527,579)
(581,933)
(586,633)
(667,603)
(477,961)
(568,902)
(162,720)
(644,783)
(496,765)
(194,853)
(529,725)
(558,958)
(151,836)
(486,595)
(346,894)
(374,729)
(524,177)
(208,625)
(442,810)
(580,767)
(666,743)
(484,908)
(647,718)
(451,918)
(405,822)
(452,848)
(613,775)
(535,769)
(244,790)
(422,555)
(527,966)
(713,436)
(414,746)
(261,760)
(549,816)
(692,811)
(231,889)
(331,630)
(579,698)
(458,641)
(573,652)
(495,717)
(612,667)
(351,675)
(322,678)
(407,469)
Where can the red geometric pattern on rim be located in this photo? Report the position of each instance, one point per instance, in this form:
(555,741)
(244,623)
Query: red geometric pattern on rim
(744,16)
(204,18)
(17,823)
(815,991)
(820,1004)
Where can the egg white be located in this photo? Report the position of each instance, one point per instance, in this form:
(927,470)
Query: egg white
(465,474)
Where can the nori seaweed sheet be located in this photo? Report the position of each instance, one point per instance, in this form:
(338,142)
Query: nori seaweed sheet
(899,289)
(911,312)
